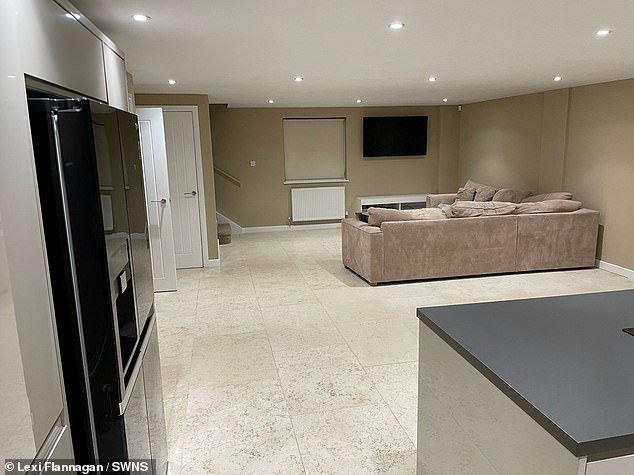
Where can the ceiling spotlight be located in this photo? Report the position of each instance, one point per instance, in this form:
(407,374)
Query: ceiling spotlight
(140,18)
(432,79)
(603,32)
(171,82)
(397,25)
(359,101)
(271,101)
(298,78)
(444,99)
(557,78)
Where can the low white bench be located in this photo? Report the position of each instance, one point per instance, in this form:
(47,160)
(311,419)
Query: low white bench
(414,201)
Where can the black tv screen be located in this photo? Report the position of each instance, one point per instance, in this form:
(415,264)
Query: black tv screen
(394,136)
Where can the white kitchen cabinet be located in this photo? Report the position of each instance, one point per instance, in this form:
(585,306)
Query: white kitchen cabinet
(116,79)
(26,314)
(15,425)
(56,47)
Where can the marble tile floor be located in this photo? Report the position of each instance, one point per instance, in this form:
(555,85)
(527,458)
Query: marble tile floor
(280,360)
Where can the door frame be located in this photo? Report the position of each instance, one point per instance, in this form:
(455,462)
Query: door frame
(202,212)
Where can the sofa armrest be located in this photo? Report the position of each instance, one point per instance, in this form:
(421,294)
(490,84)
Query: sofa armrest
(355,223)
(433,200)
(362,249)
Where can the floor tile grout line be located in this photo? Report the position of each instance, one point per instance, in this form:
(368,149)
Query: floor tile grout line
(277,372)
(370,378)
(390,364)
(187,390)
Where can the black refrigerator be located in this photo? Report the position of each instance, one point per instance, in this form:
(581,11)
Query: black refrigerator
(90,181)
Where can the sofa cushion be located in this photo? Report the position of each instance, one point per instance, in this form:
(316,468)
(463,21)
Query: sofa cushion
(548,206)
(376,216)
(483,192)
(471,209)
(465,194)
(559,195)
(511,196)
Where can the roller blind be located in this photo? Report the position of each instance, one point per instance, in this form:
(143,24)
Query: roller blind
(314,149)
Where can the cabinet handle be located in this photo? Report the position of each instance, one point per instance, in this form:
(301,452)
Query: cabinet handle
(193,193)
(163,201)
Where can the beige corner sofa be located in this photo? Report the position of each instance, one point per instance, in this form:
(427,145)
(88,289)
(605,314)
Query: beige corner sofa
(451,247)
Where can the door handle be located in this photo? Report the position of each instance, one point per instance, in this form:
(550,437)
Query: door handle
(162,201)
(193,193)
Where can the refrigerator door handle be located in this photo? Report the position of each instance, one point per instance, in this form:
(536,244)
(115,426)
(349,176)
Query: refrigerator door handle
(137,366)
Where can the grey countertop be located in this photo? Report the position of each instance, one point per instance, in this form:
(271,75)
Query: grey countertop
(565,360)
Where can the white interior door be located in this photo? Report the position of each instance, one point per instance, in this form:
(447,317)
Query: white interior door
(183,152)
(157,197)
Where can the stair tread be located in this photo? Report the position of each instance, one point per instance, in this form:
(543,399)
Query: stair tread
(224,228)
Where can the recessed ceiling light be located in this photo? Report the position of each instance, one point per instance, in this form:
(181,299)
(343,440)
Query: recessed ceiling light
(396,25)
(73,16)
(444,99)
(171,82)
(359,101)
(298,78)
(603,32)
(271,101)
(141,18)
(557,78)
(432,78)
(11,76)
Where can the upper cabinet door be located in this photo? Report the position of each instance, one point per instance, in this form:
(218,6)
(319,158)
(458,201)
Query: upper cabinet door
(57,48)
(116,79)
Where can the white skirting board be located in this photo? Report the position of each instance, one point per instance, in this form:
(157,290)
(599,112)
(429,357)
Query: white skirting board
(294,227)
(624,271)
(237,229)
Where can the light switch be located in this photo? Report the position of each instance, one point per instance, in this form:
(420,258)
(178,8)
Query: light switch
(251,163)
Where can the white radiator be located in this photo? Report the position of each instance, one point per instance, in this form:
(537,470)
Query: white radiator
(318,204)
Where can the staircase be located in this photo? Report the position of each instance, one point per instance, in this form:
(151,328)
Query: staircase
(224,233)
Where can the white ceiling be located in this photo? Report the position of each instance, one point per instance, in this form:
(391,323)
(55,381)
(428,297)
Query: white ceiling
(244,52)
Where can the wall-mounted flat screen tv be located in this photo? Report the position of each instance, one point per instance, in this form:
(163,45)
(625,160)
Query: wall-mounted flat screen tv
(394,136)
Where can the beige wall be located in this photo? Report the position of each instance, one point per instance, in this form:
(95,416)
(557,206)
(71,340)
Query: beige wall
(580,139)
(241,135)
(599,164)
(500,142)
(201,101)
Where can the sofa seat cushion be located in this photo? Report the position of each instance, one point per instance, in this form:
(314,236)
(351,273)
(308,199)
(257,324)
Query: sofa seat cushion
(377,216)
(548,206)
(483,192)
(511,196)
(559,195)
(472,209)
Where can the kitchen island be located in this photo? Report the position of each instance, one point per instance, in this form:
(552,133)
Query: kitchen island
(565,362)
